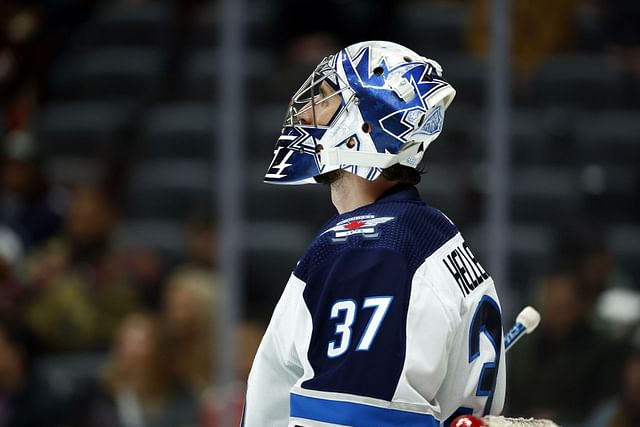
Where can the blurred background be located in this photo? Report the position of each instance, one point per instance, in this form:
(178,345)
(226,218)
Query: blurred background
(125,231)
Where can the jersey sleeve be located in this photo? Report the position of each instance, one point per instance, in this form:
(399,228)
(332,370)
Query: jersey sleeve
(430,339)
(277,365)
(454,305)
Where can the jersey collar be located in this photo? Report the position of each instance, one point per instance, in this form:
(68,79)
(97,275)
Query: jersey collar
(400,192)
(397,193)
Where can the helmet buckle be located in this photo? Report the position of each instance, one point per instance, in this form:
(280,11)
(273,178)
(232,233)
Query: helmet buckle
(401,86)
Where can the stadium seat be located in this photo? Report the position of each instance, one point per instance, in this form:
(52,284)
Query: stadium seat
(536,135)
(85,129)
(71,170)
(442,187)
(462,138)
(110,72)
(179,130)
(309,203)
(170,189)
(201,73)
(165,237)
(612,192)
(279,235)
(266,123)
(271,250)
(577,80)
(536,193)
(529,247)
(430,27)
(468,75)
(624,239)
(258,18)
(66,374)
(608,136)
(147,23)
(545,194)
(540,136)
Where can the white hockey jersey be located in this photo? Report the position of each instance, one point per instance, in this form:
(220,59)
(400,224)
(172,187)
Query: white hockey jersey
(387,320)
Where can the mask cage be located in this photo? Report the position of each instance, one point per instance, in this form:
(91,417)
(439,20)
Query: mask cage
(321,86)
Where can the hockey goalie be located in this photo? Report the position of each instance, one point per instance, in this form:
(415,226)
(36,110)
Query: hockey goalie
(388,319)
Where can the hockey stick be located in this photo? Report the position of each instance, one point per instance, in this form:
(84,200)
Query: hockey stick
(526,322)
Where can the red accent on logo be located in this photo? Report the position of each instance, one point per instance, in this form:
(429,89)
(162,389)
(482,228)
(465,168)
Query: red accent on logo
(354,224)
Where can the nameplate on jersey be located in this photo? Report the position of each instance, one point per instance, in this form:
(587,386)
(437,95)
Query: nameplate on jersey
(465,268)
(366,226)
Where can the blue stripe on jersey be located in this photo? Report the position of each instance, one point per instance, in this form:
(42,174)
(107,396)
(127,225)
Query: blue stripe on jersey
(356,414)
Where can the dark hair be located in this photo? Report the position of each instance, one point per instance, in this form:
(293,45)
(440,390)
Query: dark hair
(403,174)
(398,173)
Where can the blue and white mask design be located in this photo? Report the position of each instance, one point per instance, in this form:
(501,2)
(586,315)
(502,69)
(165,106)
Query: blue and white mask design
(370,106)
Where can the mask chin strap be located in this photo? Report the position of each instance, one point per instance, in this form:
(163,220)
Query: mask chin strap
(334,156)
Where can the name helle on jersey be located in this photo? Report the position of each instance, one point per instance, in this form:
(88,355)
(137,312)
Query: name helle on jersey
(465,269)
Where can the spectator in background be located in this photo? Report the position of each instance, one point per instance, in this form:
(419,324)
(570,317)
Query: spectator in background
(566,366)
(146,269)
(26,204)
(188,306)
(536,33)
(202,247)
(31,35)
(249,335)
(11,288)
(25,398)
(216,402)
(623,410)
(79,288)
(23,60)
(586,252)
(136,388)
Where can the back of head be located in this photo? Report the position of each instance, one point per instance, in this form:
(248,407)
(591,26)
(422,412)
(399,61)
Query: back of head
(369,107)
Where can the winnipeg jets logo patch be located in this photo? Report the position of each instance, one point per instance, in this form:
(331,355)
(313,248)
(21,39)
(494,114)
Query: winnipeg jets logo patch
(365,225)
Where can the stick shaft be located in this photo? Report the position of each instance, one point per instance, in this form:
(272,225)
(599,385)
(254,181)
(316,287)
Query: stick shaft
(514,334)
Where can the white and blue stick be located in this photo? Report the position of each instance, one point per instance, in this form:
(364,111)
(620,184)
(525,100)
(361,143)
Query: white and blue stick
(526,322)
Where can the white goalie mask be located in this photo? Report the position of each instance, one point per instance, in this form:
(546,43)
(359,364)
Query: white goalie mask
(364,109)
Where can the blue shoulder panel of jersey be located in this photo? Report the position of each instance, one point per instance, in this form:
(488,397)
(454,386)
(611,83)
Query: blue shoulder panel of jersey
(399,220)
(356,346)
(358,275)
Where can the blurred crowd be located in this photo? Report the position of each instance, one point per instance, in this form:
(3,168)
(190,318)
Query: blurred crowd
(95,332)
(69,292)
(577,368)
